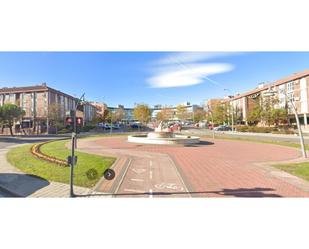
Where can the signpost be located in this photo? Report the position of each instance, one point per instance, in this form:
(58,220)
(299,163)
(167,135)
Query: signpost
(73,159)
(75,122)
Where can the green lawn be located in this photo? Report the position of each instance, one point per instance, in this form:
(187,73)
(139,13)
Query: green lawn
(298,169)
(246,139)
(22,158)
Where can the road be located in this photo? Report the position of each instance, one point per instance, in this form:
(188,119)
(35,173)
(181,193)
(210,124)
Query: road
(147,174)
(214,168)
(6,141)
(4,193)
(255,136)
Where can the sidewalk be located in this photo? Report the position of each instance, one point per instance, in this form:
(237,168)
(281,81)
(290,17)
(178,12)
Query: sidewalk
(24,185)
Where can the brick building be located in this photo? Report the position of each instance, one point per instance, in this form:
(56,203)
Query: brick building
(36,102)
(295,86)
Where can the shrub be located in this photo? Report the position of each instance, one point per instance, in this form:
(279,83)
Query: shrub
(274,130)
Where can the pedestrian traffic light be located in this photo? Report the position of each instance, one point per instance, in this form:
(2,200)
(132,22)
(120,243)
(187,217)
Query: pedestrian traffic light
(69,121)
(79,121)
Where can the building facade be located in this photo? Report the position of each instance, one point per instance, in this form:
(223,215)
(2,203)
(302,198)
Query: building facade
(294,87)
(37,102)
(190,109)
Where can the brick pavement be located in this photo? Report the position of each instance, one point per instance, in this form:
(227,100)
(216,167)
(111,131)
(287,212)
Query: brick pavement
(225,168)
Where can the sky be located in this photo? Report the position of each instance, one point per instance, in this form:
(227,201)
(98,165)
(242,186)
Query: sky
(167,78)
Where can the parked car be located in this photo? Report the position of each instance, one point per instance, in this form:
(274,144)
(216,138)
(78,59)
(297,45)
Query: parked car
(134,126)
(223,128)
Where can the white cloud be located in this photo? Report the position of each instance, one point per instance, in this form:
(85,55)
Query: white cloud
(190,74)
(188,57)
(180,69)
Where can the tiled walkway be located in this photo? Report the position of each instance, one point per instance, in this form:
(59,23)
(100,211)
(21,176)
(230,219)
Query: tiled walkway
(222,167)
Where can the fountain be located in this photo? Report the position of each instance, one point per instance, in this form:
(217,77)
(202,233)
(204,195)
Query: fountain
(163,136)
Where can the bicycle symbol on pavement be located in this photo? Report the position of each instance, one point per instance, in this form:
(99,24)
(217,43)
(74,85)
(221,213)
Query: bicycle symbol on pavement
(171,186)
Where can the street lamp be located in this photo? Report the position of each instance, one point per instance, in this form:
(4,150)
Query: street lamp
(271,93)
(212,121)
(232,110)
(74,137)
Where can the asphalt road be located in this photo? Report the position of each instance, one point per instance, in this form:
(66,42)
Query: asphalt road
(4,193)
(256,136)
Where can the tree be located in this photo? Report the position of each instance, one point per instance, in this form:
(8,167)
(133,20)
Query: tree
(165,114)
(142,113)
(268,107)
(265,111)
(181,112)
(102,117)
(279,115)
(120,114)
(1,119)
(11,113)
(220,114)
(255,113)
(54,116)
(199,115)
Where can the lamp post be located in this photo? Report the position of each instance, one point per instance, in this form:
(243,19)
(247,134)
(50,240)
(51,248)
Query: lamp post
(271,93)
(212,121)
(74,137)
(232,110)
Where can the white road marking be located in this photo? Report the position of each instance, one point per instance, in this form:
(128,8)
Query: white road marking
(137,180)
(172,186)
(150,193)
(150,174)
(150,163)
(133,190)
(139,171)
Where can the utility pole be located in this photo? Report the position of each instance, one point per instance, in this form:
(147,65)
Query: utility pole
(301,137)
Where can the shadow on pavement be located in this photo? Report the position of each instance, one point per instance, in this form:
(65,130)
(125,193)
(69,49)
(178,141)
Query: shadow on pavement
(239,192)
(25,140)
(201,144)
(22,184)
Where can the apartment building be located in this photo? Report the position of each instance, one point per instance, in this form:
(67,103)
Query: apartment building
(295,87)
(128,113)
(37,100)
(190,109)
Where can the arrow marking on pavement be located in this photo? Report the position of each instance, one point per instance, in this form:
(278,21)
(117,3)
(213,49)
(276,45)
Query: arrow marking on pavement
(139,171)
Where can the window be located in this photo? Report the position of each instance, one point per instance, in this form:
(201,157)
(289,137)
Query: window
(290,96)
(290,86)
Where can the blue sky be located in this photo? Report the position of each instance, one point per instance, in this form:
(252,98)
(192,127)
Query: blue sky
(167,78)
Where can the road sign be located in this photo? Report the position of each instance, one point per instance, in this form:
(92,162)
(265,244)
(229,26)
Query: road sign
(70,161)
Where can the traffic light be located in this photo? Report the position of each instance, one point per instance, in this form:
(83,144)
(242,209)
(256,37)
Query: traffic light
(68,120)
(79,121)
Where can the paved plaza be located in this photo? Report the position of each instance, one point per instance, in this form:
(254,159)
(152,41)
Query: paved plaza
(214,168)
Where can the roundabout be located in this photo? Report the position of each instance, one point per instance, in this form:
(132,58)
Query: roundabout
(163,136)
(210,168)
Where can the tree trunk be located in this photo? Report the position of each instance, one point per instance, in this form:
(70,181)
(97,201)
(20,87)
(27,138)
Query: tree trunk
(11,130)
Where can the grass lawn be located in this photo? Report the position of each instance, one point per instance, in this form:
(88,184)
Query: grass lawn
(22,158)
(298,169)
(246,139)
